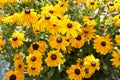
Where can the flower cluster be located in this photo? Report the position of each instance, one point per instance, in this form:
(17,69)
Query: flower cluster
(60,39)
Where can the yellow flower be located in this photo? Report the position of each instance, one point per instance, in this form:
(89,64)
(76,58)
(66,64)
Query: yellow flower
(2,43)
(75,72)
(89,21)
(33,70)
(77,42)
(39,47)
(14,75)
(88,32)
(102,26)
(70,28)
(19,65)
(54,58)
(58,42)
(49,8)
(116,20)
(111,6)
(28,17)
(14,17)
(103,44)
(117,39)
(92,4)
(17,39)
(17,57)
(61,6)
(116,58)
(91,63)
(34,59)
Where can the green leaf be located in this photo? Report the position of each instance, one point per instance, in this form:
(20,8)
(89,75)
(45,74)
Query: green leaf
(51,72)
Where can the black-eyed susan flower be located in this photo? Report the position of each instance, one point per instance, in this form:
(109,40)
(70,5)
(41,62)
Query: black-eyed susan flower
(70,28)
(102,26)
(77,42)
(61,6)
(46,21)
(54,58)
(89,21)
(17,57)
(117,39)
(111,6)
(116,58)
(92,4)
(34,59)
(12,18)
(17,39)
(75,72)
(116,20)
(88,32)
(91,63)
(14,75)
(103,44)
(58,42)
(2,43)
(38,47)
(28,17)
(33,70)
(49,8)
(19,65)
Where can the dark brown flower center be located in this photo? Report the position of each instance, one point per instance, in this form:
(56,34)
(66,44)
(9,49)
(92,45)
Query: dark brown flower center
(47,17)
(35,46)
(15,38)
(77,71)
(92,3)
(58,18)
(27,11)
(51,11)
(12,13)
(102,26)
(59,40)
(103,43)
(53,57)
(13,77)
(33,68)
(69,25)
(86,31)
(37,31)
(93,63)
(19,66)
(54,25)
(61,5)
(78,37)
(33,58)
(90,18)
(111,4)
